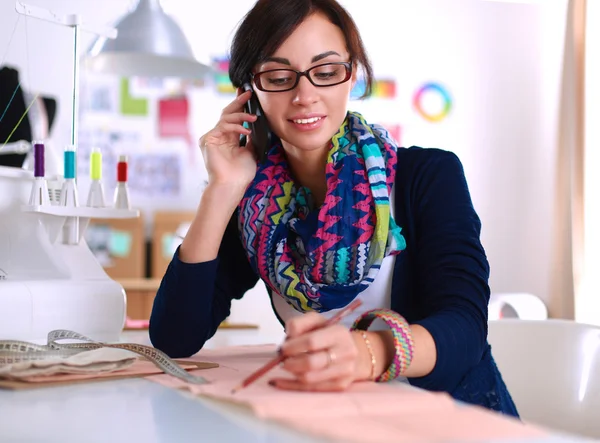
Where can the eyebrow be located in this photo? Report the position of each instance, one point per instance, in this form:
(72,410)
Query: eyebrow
(315,59)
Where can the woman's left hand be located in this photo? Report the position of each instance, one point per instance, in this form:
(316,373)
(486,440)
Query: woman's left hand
(327,359)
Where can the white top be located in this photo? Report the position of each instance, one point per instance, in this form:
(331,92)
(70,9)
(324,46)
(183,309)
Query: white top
(376,296)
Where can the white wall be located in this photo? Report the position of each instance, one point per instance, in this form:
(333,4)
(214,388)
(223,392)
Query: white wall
(588,306)
(502,62)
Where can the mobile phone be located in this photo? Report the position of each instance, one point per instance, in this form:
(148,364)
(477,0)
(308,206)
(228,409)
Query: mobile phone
(260,132)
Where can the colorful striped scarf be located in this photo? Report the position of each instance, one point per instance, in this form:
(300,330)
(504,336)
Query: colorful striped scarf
(322,259)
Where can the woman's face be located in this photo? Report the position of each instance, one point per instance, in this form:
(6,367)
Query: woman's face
(307,117)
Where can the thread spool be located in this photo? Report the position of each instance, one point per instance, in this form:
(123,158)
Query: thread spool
(96,165)
(122,169)
(96,193)
(68,192)
(39,166)
(39,195)
(121,197)
(69,162)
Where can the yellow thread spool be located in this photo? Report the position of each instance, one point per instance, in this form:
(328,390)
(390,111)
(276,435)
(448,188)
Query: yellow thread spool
(96,165)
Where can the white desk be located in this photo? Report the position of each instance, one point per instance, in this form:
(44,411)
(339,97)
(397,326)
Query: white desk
(138,410)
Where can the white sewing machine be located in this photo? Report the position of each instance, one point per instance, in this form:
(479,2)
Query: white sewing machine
(49,278)
(46,283)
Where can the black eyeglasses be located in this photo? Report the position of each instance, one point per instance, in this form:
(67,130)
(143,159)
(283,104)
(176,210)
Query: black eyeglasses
(280,80)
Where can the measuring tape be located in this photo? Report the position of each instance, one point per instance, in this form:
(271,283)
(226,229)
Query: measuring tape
(13,351)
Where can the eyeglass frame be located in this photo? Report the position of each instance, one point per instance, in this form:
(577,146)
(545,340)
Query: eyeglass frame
(256,76)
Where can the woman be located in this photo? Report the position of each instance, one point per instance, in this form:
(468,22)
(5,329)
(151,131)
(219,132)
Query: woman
(335,212)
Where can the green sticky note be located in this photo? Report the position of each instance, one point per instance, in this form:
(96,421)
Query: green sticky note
(132,105)
(120,243)
(169,245)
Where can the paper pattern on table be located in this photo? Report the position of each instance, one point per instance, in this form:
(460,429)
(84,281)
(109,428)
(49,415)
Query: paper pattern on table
(367,412)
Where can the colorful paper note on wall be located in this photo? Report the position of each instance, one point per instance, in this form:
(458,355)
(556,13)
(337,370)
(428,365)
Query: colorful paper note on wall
(173,117)
(155,174)
(382,88)
(101,95)
(224,86)
(132,105)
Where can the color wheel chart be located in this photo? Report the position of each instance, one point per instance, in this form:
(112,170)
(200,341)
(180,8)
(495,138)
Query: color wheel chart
(432,101)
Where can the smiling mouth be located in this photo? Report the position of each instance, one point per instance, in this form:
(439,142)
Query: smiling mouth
(307,121)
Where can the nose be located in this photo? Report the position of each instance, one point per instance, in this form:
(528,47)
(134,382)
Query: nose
(305,92)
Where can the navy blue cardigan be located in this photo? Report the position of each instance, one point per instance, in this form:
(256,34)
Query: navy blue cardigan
(440,281)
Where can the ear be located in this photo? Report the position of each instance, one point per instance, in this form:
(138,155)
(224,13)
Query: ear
(354,76)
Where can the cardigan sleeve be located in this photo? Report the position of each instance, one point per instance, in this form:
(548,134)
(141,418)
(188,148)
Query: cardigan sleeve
(451,271)
(194,298)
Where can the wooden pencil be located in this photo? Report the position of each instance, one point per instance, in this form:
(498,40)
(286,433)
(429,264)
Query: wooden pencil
(280,358)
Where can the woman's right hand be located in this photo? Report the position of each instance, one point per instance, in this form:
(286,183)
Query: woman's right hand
(228,163)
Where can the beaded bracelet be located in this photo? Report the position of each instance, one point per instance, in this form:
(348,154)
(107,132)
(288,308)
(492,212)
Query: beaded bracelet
(403,341)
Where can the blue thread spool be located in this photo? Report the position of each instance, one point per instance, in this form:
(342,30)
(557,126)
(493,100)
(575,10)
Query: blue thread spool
(70,162)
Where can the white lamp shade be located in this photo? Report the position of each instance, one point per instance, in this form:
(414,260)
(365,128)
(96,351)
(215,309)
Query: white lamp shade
(149,43)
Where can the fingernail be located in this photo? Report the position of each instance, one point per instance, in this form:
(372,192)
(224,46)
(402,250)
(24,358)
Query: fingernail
(281,355)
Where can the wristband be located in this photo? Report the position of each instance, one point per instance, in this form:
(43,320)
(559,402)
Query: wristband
(403,341)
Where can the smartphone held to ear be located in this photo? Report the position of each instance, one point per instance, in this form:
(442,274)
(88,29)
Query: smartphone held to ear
(260,132)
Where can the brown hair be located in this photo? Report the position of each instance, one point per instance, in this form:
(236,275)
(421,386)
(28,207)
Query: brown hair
(270,22)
